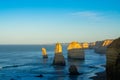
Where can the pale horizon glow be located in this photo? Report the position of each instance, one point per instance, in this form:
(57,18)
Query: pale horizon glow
(64,21)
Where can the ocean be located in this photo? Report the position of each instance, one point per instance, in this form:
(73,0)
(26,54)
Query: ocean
(25,62)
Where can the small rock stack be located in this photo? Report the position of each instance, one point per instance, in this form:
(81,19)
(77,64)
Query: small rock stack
(73,70)
(44,53)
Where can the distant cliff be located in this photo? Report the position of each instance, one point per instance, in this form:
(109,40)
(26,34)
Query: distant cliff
(113,60)
(85,45)
(91,45)
(101,46)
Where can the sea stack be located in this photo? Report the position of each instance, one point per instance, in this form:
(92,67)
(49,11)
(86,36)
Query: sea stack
(44,53)
(85,45)
(75,51)
(113,60)
(58,58)
(73,70)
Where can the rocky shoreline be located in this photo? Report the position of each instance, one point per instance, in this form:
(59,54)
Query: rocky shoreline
(100,76)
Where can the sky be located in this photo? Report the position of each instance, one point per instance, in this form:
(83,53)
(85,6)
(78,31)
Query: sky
(51,21)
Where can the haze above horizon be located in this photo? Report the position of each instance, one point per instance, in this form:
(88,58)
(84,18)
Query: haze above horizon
(51,21)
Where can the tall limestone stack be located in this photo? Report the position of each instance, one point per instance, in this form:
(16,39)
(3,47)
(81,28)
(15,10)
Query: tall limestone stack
(113,60)
(101,46)
(44,53)
(75,51)
(58,58)
(85,45)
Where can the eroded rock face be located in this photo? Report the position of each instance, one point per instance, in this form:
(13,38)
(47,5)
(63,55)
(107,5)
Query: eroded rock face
(113,60)
(58,58)
(75,51)
(44,53)
(73,70)
(101,46)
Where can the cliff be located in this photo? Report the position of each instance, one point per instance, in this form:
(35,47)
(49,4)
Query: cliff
(113,60)
(101,46)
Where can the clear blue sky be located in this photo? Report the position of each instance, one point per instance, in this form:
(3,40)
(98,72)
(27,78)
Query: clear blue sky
(50,21)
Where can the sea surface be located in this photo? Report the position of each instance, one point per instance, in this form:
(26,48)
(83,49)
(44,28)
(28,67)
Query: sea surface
(25,62)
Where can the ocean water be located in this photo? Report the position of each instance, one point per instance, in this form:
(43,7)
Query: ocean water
(25,62)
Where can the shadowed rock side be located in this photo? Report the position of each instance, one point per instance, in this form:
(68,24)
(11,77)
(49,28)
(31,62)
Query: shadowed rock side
(113,60)
(75,51)
(92,45)
(58,58)
(73,70)
(44,53)
(101,46)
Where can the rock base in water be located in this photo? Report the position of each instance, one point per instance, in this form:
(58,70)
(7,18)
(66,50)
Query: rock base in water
(76,54)
(45,56)
(40,75)
(73,70)
(59,60)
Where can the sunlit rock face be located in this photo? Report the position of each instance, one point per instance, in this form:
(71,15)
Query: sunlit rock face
(58,48)
(74,45)
(107,42)
(113,60)
(75,51)
(101,46)
(58,58)
(85,45)
(44,53)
